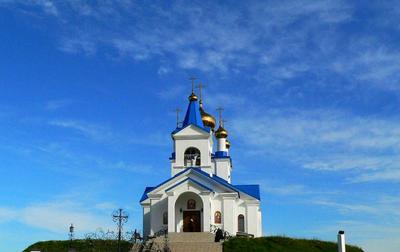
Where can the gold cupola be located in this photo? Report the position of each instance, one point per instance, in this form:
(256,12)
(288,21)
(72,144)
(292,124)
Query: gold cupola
(227,144)
(221,132)
(208,120)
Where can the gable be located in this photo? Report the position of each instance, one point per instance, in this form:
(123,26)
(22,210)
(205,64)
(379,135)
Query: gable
(189,181)
(191,131)
(202,180)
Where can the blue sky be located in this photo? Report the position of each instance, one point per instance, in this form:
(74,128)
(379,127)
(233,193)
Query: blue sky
(310,90)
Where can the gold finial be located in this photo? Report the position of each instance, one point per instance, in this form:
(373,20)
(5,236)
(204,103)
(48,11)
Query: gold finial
(221,132)
(177,110)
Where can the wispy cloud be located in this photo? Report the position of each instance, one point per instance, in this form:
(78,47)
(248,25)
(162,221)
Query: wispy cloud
(93,131)
(57,104)
(327,140)
(55,216)
(269,41)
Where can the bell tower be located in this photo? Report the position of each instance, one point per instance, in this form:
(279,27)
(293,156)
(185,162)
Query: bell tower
(193,140)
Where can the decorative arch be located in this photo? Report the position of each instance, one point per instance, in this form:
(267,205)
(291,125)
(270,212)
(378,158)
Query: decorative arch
(192,157)
(241,223)
(217,217)
(181,207)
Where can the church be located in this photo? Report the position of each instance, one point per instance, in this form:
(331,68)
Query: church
(200,195)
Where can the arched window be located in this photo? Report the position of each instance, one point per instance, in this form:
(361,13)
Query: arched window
(241,223)
(217,217)
(165,218)
(192,157)
(191,204)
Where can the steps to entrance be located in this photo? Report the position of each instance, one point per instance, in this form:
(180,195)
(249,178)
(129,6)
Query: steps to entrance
(189,242)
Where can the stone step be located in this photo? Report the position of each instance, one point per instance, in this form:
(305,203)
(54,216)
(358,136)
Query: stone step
(188,242)
(195,247)
(190,237)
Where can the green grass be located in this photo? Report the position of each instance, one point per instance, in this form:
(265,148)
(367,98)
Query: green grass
(282,244)
(80,246)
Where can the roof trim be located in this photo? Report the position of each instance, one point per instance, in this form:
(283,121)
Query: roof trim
(190,180)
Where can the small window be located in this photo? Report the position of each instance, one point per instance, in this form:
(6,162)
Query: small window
(217,217)
(241,223)
(165,218)
(191,204)
(192,157)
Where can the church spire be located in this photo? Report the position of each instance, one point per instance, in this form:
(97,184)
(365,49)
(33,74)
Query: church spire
(193,115)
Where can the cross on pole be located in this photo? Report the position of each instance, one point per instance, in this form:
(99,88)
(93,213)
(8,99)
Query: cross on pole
(200,86)
(177,110)
(120,217)
(192,79)
(221,122)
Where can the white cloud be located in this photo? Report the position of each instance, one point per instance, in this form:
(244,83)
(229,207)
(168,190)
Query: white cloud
(57,104)
(93,131)
(326,140)
(56,216)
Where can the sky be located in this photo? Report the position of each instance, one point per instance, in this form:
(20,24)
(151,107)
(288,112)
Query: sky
(310,91)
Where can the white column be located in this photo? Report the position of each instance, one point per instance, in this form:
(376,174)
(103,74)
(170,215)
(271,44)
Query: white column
(206,198)
(341,242)
(251,217)
(155,213)
(228,212)
(146,219)
(171,212)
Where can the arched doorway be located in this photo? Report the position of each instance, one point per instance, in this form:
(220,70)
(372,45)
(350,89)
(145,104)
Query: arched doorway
(189,213)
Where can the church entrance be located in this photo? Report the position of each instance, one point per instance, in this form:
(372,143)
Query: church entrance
(191,221)
(189,213)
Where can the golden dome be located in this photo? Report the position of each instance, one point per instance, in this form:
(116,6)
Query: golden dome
(228,144)
(193,97)
(208,120)
(221,133)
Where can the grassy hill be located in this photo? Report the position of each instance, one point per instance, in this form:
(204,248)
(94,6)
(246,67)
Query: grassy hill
(282,244)
(263,244)
(79,246)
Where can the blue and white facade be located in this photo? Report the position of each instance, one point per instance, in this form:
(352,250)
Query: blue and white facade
(200,196)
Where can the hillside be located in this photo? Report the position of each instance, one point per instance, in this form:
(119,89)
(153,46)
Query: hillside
(79,246)
(282,244)
(263,244)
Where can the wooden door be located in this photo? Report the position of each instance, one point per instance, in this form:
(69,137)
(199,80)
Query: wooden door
(191,221)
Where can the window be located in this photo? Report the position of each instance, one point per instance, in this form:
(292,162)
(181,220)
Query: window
(192,157)
(191,204)
(241,223)
(217,217)
(165,218)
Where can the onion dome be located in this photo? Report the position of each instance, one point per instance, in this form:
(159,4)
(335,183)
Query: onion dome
(221,133)
(208,120)
(227,144)
(193,97)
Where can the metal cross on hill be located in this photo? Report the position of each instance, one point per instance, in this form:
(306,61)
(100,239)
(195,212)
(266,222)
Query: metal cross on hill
(120,217)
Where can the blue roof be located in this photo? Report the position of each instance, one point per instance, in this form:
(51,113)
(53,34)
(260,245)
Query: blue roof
(193,115)
(251,190)
(144,196)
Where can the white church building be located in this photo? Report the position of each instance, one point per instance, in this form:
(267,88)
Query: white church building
(200,196)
